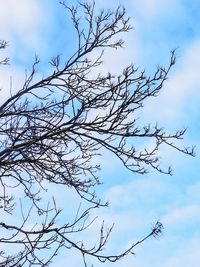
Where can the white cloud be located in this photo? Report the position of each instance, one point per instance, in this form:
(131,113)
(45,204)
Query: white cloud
(11,81)
(186,254)
(19,18)
(180,93)
(183,215)
(19,22)
(193,192)
(155,8)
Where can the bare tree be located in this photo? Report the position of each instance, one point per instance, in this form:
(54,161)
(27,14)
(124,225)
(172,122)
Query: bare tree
(52,129)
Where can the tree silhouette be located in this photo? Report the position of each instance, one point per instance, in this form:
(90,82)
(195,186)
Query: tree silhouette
(52,129)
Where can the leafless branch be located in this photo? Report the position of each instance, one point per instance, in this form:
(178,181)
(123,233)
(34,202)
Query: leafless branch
(52,129)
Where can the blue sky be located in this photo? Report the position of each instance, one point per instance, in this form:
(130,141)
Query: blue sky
(41,27)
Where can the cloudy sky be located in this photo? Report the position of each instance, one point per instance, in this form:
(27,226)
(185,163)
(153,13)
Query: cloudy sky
(41,27)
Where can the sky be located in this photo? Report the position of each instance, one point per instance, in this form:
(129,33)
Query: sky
(136,202)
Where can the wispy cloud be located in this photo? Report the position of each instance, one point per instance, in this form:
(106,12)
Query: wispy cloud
(20,19)
(180,95)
